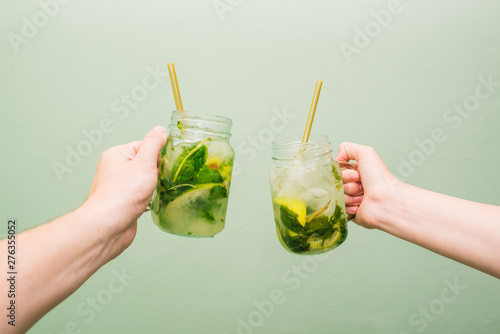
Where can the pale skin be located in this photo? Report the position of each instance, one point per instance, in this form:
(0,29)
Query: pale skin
(461,230)
(58,257)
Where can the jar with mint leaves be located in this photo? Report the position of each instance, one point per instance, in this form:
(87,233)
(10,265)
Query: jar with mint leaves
(308,196)
(192,192)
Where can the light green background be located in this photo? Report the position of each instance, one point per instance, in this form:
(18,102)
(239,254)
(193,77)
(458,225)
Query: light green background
(256,59)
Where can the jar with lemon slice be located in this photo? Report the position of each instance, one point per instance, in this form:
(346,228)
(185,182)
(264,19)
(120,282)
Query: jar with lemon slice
(308,196)
(191,195)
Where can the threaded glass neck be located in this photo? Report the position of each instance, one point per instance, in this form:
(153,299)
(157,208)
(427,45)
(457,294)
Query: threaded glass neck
(292,151)
(199,124)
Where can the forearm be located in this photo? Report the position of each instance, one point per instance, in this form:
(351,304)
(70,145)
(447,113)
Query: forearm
(464,231)
(53,261)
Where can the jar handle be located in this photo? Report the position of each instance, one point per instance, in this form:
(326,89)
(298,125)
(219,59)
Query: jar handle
(343,166)
(150,205)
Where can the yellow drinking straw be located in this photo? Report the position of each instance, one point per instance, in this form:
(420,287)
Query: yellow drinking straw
(175,87)
(312,111)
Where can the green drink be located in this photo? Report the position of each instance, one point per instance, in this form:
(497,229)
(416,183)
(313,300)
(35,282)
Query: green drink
(195,174)
(308,196)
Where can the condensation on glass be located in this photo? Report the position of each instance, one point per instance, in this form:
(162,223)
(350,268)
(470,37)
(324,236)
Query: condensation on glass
(192,192)
(308,196)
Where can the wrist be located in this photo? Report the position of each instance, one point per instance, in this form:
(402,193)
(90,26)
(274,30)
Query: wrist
(113,226)
(104,214)
(98,220)
(392,209)
(386,203)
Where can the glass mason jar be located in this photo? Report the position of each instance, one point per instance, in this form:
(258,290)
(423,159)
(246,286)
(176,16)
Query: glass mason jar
(308,196)
(191,195)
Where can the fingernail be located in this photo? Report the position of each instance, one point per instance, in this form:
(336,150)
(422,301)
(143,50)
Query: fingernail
(354,177)
(160,128)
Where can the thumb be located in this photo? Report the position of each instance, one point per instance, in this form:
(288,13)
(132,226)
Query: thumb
(350,151)
(152,144)
(361,154)
(370,165)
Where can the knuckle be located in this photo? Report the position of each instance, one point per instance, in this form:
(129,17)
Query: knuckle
(107,153)
(369,149)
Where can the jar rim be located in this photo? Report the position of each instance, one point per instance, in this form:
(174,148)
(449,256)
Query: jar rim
(295,142)
(200,124)
(292,148)
(202,116)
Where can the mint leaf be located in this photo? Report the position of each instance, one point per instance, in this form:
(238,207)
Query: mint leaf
(289,219)
(207,204)
(189,163)
(337,216)
(208,175)
(318,226)
(217,192)
(208,215)
(338,177)
(174,192)
(297,244)
(319,229)
(339,221)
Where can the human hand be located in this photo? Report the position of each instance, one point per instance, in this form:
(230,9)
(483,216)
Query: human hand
(367,186)
(123,185)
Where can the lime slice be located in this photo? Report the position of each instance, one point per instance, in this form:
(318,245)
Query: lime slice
(183,212)
(296,205)
(332,240)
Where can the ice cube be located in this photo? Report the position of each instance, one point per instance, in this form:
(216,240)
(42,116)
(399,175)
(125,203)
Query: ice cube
(318,193)
(220,149)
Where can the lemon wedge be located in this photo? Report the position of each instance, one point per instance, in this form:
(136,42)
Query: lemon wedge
(213,162)
(295,205)
(221,166)
(225,172)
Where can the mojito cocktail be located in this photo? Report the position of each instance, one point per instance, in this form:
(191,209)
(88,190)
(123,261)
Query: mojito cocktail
(192,192)
(308,197)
